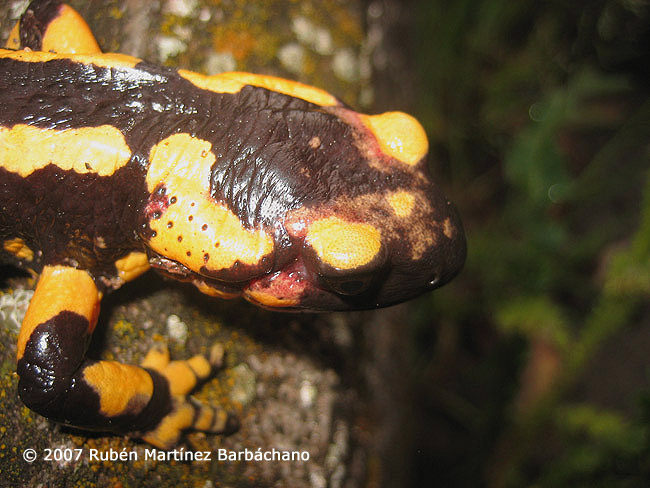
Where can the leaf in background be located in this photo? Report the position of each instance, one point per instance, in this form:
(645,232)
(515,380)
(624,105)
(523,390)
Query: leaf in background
(535,316)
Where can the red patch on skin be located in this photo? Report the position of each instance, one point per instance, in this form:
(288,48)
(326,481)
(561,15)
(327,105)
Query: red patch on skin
(157,204)
(287,284)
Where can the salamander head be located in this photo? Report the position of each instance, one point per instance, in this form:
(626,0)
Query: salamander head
(302,207)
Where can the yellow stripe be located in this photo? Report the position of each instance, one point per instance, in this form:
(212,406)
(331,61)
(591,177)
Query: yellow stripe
(25,149)
(234,81)
(110,60)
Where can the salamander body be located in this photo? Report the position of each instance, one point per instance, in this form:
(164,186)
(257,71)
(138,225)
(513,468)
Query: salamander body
(241,184)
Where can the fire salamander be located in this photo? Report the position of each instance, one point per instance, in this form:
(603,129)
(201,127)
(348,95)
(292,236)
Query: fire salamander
(241,184)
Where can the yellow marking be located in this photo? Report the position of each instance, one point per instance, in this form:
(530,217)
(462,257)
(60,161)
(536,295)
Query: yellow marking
(315,142)
(211,235)
(99,242)
(206,289)
(269,300)
(448,229)
(121,387)
(200,366)
(402,203)
(14,37)
(157,358)
(205,419)
(179,158)
(234,81)
(18,248)
(210,419)
(180,376)
(342,244)
(108,60)
(220,420)
(60,288)
(170,427)
(69,33)
(132,265)
(183,375)
(101,150)
(399,135)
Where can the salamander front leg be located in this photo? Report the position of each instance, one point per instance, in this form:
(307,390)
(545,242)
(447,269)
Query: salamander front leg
(59,383)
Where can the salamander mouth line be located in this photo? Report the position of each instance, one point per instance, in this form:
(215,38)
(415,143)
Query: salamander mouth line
(179,271)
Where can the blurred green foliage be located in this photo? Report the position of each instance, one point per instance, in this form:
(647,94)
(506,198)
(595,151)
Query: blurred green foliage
(539,117)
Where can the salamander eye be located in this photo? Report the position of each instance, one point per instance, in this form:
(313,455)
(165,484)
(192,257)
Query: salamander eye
(348,285)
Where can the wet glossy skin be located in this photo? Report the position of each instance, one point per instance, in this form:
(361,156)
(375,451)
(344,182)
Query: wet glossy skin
(285,184)
(244,185)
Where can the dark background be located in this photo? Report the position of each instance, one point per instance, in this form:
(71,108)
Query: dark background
(532,367)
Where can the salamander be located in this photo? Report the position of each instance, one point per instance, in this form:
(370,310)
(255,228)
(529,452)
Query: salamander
(243,185)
